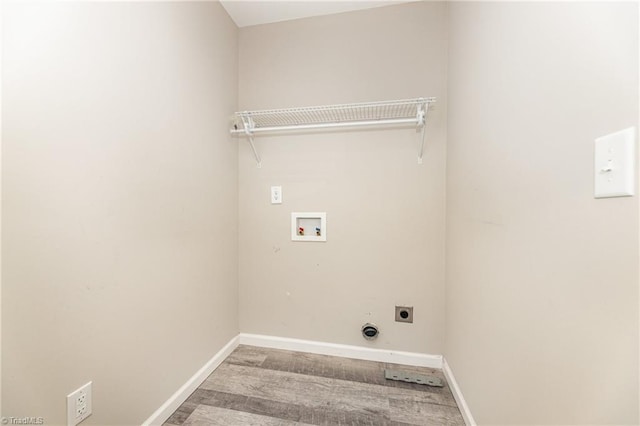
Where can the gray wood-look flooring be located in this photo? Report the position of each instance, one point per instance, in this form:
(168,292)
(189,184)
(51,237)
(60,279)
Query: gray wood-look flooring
(258,386)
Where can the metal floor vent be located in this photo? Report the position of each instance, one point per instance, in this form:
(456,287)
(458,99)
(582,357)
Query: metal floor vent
(421,379)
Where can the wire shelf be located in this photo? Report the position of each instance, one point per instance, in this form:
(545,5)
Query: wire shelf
(404,111)
(329,115)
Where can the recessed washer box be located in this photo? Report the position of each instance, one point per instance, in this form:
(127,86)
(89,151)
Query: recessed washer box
(308,226)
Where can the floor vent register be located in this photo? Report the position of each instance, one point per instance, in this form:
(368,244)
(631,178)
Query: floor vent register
(421,379)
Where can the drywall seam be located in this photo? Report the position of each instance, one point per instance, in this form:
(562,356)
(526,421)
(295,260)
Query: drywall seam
(346,351)
(164,412)
(457,394)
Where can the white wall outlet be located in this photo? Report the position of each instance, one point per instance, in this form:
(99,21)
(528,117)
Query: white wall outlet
(79,405)
(276,195)
(615,164)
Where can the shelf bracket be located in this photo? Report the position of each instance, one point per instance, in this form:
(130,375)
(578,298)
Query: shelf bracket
(249,125)
(422,122)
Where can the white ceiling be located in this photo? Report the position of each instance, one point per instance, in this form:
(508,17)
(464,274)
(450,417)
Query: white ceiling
(254,12)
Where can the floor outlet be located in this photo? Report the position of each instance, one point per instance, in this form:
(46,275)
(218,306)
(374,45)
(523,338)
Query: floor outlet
(79,405)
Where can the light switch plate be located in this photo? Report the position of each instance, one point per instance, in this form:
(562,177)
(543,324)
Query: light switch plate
(615,164)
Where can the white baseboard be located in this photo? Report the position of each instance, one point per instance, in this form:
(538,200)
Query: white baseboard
(166,410)
(347,351)
(457,395)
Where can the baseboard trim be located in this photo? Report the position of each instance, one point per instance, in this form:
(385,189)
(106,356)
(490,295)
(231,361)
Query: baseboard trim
(347,351)
(457,394)
(166,410)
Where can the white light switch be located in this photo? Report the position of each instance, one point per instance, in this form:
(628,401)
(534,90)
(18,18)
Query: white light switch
(615,164)
(276,195)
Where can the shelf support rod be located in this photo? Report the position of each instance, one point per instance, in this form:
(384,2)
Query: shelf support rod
(295,127)
(255,153)
(248,125)
(422,121)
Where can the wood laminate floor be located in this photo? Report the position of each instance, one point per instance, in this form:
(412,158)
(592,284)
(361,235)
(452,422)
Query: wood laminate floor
(257,386)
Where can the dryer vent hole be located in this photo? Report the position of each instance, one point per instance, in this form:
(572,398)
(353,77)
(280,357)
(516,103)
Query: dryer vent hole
(370,331)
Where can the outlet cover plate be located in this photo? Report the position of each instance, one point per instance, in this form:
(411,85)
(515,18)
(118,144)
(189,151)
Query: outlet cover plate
(276,195)
(79,405)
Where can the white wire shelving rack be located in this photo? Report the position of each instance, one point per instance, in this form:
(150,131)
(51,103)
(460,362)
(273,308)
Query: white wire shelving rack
(384,113)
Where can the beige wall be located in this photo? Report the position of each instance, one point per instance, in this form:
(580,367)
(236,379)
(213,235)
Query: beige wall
(125,204)
(119,213)
(385,213)
(542,279)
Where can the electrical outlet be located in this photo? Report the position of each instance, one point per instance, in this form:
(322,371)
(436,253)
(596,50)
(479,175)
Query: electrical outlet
(276,195)
(82,399)
(79,405)
(404,314)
